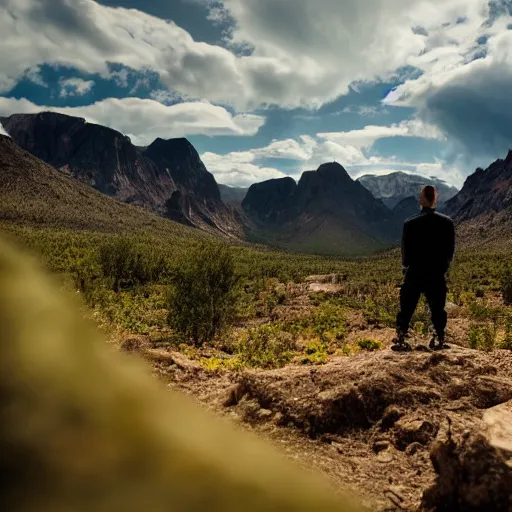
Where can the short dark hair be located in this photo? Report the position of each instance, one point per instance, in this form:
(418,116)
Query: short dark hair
(429,193)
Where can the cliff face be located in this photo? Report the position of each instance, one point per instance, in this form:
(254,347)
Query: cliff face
(167,177)
(484,192)
(325,212)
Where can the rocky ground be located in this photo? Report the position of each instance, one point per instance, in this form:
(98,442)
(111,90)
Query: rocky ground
(380,423)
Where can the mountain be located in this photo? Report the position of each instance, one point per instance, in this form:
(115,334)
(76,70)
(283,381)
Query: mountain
(406,208)
(34,193)
(397,186)
(232,195)
(483,208)
(167,177)
(325,212)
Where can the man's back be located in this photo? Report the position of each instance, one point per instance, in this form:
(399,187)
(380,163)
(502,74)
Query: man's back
(428,243)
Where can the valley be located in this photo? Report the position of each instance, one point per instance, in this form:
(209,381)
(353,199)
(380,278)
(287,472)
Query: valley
(303,330)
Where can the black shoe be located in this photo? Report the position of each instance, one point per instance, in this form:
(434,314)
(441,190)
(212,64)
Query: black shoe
(437,343)
(399,343)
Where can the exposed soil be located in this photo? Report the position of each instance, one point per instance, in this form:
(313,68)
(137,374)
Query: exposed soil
(403,429)
(368,421)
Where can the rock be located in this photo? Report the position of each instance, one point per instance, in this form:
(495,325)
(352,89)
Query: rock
(233,395)
(264,414)
(411,395)
(380,445)
(413,430)
(498,421)
(279,419)
(135,343)
(472,475)
(391,415)
(181,361)
(413,448)
(385,457)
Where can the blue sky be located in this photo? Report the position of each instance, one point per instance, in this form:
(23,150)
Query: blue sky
(268,88)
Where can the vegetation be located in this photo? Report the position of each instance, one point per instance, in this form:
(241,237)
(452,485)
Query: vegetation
(202,297)
(506,286)
(249,305)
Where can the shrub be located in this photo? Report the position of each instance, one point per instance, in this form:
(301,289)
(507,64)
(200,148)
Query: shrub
(266,347)
(507,340)
(482,337)
(369,344)
(202,297)
(506,287)
(122,263)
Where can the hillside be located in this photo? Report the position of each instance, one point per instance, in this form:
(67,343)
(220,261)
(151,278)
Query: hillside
(167,177)
(325,212)
(34,193)
(483,208)
(395,187)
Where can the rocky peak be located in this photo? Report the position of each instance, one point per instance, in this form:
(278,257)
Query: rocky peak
(270,200)
(107,160)
(484,192)
(187,168)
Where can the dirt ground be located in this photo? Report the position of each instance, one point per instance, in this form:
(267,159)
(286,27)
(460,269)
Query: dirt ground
(394,427)
(368,422)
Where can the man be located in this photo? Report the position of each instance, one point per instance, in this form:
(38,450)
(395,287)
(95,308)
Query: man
(428,246)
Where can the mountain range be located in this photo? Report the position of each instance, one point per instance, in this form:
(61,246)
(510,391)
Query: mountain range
(326,211)
(398,186)
(167,177)
(53,162)
(33,193)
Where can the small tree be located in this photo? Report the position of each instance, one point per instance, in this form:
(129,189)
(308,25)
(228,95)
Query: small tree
(506,286)
(202,296)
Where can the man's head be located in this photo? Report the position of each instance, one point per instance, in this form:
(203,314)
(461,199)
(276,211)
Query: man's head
(428,197)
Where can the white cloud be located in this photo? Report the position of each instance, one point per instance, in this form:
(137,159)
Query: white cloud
(238,169)
(145,120)
(369,134)
(75,87)
(466,94)
(243,168)
(303,53)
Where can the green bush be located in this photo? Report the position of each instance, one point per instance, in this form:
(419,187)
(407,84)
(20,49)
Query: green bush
(369,344)
(507,340)
(506,287)
(202,297)
(482,336)
(266,347)
(123,262)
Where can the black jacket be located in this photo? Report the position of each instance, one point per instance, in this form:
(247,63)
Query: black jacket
(428,244)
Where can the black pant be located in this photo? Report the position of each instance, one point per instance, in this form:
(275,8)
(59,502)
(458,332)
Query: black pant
(434,288)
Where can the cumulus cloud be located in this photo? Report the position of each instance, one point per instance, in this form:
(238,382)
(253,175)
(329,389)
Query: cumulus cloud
(369,134)
(75,87)
(143,120)
(348,148)
(302,53)
(467,96)
(238,169)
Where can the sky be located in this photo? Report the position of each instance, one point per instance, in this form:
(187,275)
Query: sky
(272,88)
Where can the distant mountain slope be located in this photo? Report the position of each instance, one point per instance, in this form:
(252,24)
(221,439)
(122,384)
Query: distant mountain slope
(397,186)
(232,195)
(326,212)
(167,177)
(483,208)
(34,193)
(407,208)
